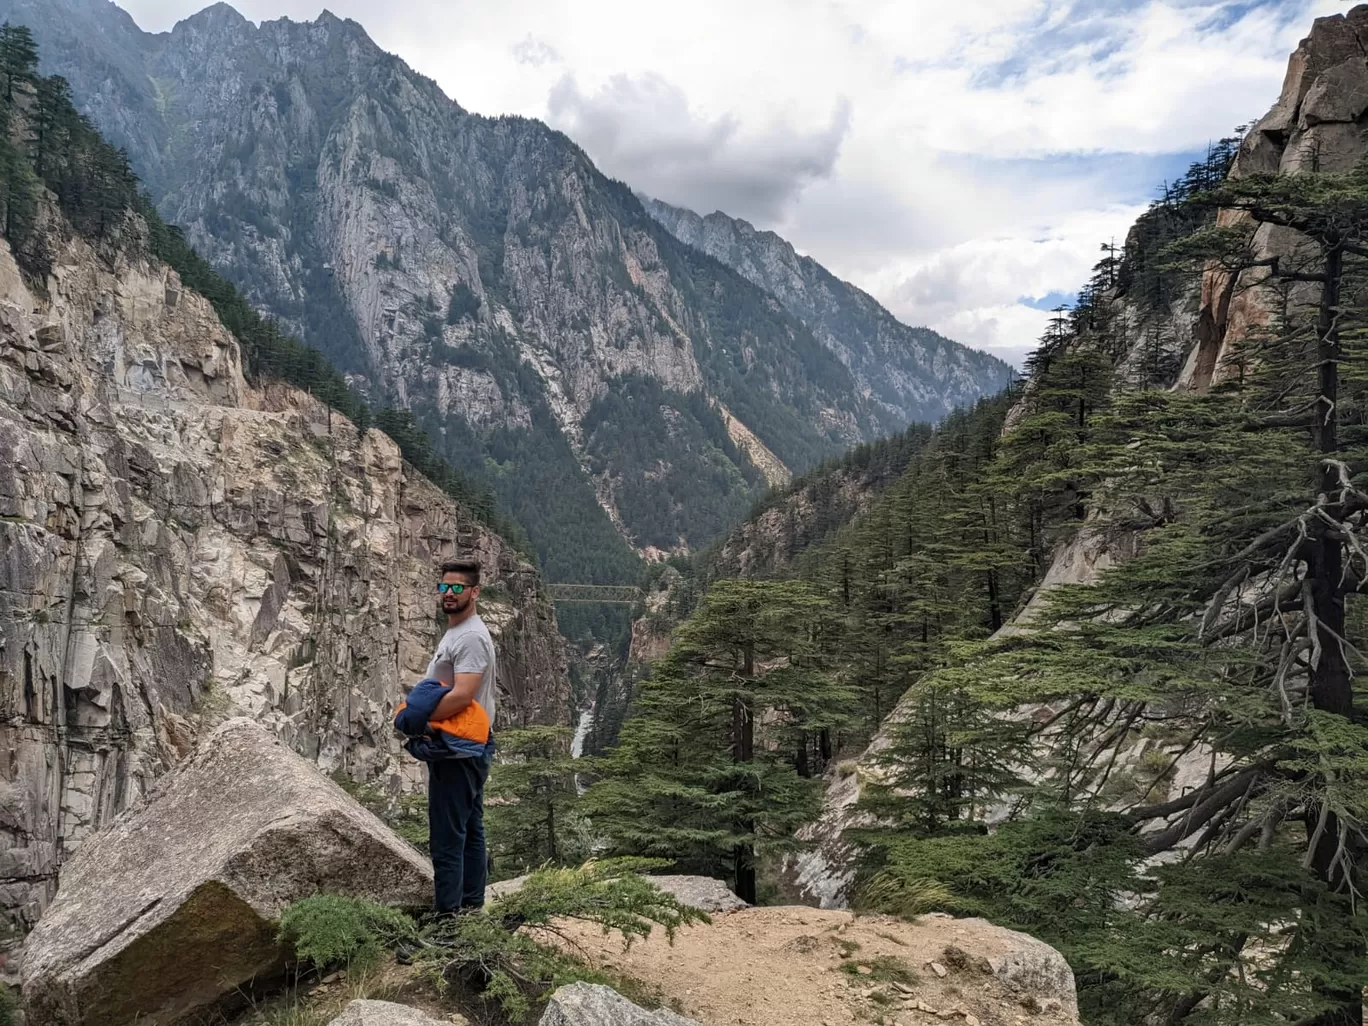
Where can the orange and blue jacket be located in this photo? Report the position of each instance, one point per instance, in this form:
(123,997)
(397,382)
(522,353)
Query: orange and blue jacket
(464,736)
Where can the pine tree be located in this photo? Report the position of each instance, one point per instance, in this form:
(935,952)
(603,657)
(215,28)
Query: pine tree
(18,57)
(530,802)
(945,761)
(707,771)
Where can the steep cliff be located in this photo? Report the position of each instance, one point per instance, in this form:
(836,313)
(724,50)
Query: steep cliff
(913,373)
(1317,124)
(563,345)
(178,546)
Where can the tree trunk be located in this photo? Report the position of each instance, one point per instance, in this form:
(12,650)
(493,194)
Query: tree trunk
(743,750)
(1331,687)
(1331,679)
(744,868)
(551,831)
(990,538)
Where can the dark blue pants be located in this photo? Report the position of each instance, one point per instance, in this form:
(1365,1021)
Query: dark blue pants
(456,831)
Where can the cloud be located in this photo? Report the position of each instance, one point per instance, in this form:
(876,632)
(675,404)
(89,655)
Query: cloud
(990,293)
(953,159)
(642,129)
(534,52)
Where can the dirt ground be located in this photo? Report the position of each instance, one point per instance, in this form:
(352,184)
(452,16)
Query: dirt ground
(781,966)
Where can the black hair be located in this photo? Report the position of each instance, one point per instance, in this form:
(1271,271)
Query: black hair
(468,568)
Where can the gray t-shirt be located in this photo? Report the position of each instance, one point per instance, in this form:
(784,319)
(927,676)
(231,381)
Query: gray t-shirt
(467,648)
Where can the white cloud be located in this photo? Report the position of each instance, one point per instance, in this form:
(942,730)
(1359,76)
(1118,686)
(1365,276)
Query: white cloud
(534,52)
(949,157)
(981,292)
(643,131)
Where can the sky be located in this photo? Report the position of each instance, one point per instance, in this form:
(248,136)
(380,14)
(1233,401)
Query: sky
(961,160)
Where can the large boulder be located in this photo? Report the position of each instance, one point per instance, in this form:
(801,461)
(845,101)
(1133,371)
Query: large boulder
(592,1004)
(173,907)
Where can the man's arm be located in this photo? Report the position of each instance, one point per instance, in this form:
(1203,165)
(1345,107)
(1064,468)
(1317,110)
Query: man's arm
(459,697)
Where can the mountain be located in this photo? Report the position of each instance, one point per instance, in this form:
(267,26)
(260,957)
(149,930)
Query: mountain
(612,385)
(914,374)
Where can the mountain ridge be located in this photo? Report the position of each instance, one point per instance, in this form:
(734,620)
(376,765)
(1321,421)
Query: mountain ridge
(479,271)
(890,360)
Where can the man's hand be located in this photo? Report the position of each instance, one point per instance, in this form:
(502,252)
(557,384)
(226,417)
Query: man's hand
(460,695)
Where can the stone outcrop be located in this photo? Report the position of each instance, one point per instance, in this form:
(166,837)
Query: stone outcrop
(176,546)
(776,966)
(1317,124)
(173,907)
(592,1004)
(384,1013)
(700,892)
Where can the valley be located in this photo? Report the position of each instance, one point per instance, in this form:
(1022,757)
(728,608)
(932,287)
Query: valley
(841,670)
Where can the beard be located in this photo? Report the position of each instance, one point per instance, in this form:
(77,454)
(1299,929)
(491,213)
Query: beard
(453,606)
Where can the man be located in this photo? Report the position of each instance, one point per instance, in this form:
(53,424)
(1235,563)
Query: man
(448,719)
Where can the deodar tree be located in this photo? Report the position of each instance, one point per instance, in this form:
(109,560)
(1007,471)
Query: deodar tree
(715,766)
(1195,835)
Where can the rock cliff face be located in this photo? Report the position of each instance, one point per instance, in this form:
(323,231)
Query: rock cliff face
(478,270)
(176,546)
(1319,123)
(913,373)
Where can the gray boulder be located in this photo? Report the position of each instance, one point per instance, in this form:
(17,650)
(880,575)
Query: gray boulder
(384,1013)
(173,907)
(592,1004)
(700,892)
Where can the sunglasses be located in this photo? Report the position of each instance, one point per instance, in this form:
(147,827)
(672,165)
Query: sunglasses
(454,589)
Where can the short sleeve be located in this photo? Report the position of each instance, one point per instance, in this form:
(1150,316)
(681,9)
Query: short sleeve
(469,655)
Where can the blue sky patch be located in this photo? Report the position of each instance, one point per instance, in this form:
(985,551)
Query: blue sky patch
(1049,301)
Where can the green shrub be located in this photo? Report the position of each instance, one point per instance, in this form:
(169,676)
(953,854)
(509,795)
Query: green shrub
(517,970)
(330,930)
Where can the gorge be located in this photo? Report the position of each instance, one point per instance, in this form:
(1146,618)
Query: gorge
(1079,660)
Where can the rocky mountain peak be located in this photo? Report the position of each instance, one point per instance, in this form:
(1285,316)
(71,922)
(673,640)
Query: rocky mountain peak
(218,15)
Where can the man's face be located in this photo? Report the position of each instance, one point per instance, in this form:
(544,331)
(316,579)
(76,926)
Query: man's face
(456,594)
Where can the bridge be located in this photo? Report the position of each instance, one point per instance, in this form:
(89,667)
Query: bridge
(597,594)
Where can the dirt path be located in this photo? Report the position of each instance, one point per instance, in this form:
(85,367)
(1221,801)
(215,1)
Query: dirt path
(783,966)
